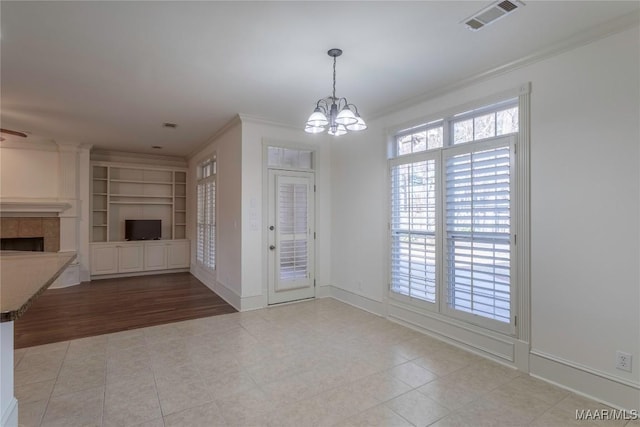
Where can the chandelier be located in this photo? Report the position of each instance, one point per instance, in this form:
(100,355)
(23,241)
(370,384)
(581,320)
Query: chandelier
(335,115)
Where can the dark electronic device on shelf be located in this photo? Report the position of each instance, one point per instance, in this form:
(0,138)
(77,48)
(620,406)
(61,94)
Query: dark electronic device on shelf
(142,229)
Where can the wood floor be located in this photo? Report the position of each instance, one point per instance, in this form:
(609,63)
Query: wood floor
(112,305)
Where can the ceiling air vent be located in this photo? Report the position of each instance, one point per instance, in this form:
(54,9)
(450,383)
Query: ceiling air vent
(491,14)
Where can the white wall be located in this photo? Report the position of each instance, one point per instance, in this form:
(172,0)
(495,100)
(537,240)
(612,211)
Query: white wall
(48,172)
(585,211)
(227,279)
(31,173)
(255,133)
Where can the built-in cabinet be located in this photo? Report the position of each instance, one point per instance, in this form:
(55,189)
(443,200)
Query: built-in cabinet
(140,256)
(123,191)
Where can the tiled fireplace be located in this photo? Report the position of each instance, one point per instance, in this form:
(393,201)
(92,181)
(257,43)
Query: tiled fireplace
(47,228)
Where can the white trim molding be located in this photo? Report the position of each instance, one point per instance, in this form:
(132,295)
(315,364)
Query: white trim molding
(27,205)
(597,385)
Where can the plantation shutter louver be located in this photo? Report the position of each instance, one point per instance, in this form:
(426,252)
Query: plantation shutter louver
(293,234)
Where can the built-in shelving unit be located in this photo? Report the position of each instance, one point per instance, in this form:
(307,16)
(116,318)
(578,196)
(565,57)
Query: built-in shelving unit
(121,192)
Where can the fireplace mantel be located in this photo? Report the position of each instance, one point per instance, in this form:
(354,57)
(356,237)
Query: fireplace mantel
(31,206)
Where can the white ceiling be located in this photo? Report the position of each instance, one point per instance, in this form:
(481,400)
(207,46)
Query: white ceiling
(110,73)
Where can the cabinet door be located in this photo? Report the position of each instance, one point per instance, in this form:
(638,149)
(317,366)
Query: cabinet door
(155,256)
(104,259)
(178,254)
(130,258)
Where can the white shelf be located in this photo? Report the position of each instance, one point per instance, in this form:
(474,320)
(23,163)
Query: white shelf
(137,192)
(140,203)
(135,181)
(139,196)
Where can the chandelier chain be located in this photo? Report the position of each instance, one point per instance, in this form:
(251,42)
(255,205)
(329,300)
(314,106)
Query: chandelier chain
(334,79)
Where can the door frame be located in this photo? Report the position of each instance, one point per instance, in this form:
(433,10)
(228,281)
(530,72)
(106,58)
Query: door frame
(266,143)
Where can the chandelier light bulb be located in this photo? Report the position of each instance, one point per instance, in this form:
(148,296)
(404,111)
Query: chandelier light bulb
(359,125)
(317,119)
(346,117)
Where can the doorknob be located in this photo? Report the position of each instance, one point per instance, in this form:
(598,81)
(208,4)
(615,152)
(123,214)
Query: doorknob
(271,227)
(272,247)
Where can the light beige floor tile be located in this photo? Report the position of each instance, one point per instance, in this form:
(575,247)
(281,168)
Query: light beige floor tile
(72,380)
(35,375)
(208,415)
(177,373)
(464,420)
(383,386)
(517,403)
(48,348)
(127,369)
(321,363)
(417,408)
(227,384)
(30,413)
(83,408)
(27,393)
(412,374)
(84,362)
(18,355)
(248,408)
(88,347)
(131,404)
(634,422)
(40,360)
(379,416)
(450,394)
(537,388)
(440,364)
(488,412)
(573,402)
(558,417)
(158,422)
(178,395)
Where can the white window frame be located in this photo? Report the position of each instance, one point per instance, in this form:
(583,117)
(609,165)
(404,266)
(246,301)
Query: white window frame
(206,214)
(519,183)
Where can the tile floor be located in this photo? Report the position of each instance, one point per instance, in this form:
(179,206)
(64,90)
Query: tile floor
(318,363)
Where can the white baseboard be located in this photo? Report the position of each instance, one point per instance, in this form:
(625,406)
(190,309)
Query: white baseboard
(255,302)
(358,301)
(323,291)
(210,281)
(616,392)
(140,273)
(10,415)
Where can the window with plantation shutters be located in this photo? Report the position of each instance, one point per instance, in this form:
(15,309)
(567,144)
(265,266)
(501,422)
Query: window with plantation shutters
(413,229)
(452,213)
(206,215)
(478,229)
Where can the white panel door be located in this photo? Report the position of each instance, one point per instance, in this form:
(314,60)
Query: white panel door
(130,258)
(291,236)
(104,259)
(155,256)
(178,254)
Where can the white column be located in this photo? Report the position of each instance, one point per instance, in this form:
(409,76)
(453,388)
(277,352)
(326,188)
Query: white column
(8,402)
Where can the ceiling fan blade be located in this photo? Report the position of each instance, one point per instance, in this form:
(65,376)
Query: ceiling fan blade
(13,132)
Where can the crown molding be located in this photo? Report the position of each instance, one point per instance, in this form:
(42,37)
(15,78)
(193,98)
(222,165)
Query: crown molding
(26,205)
(217,134)
(577,40)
